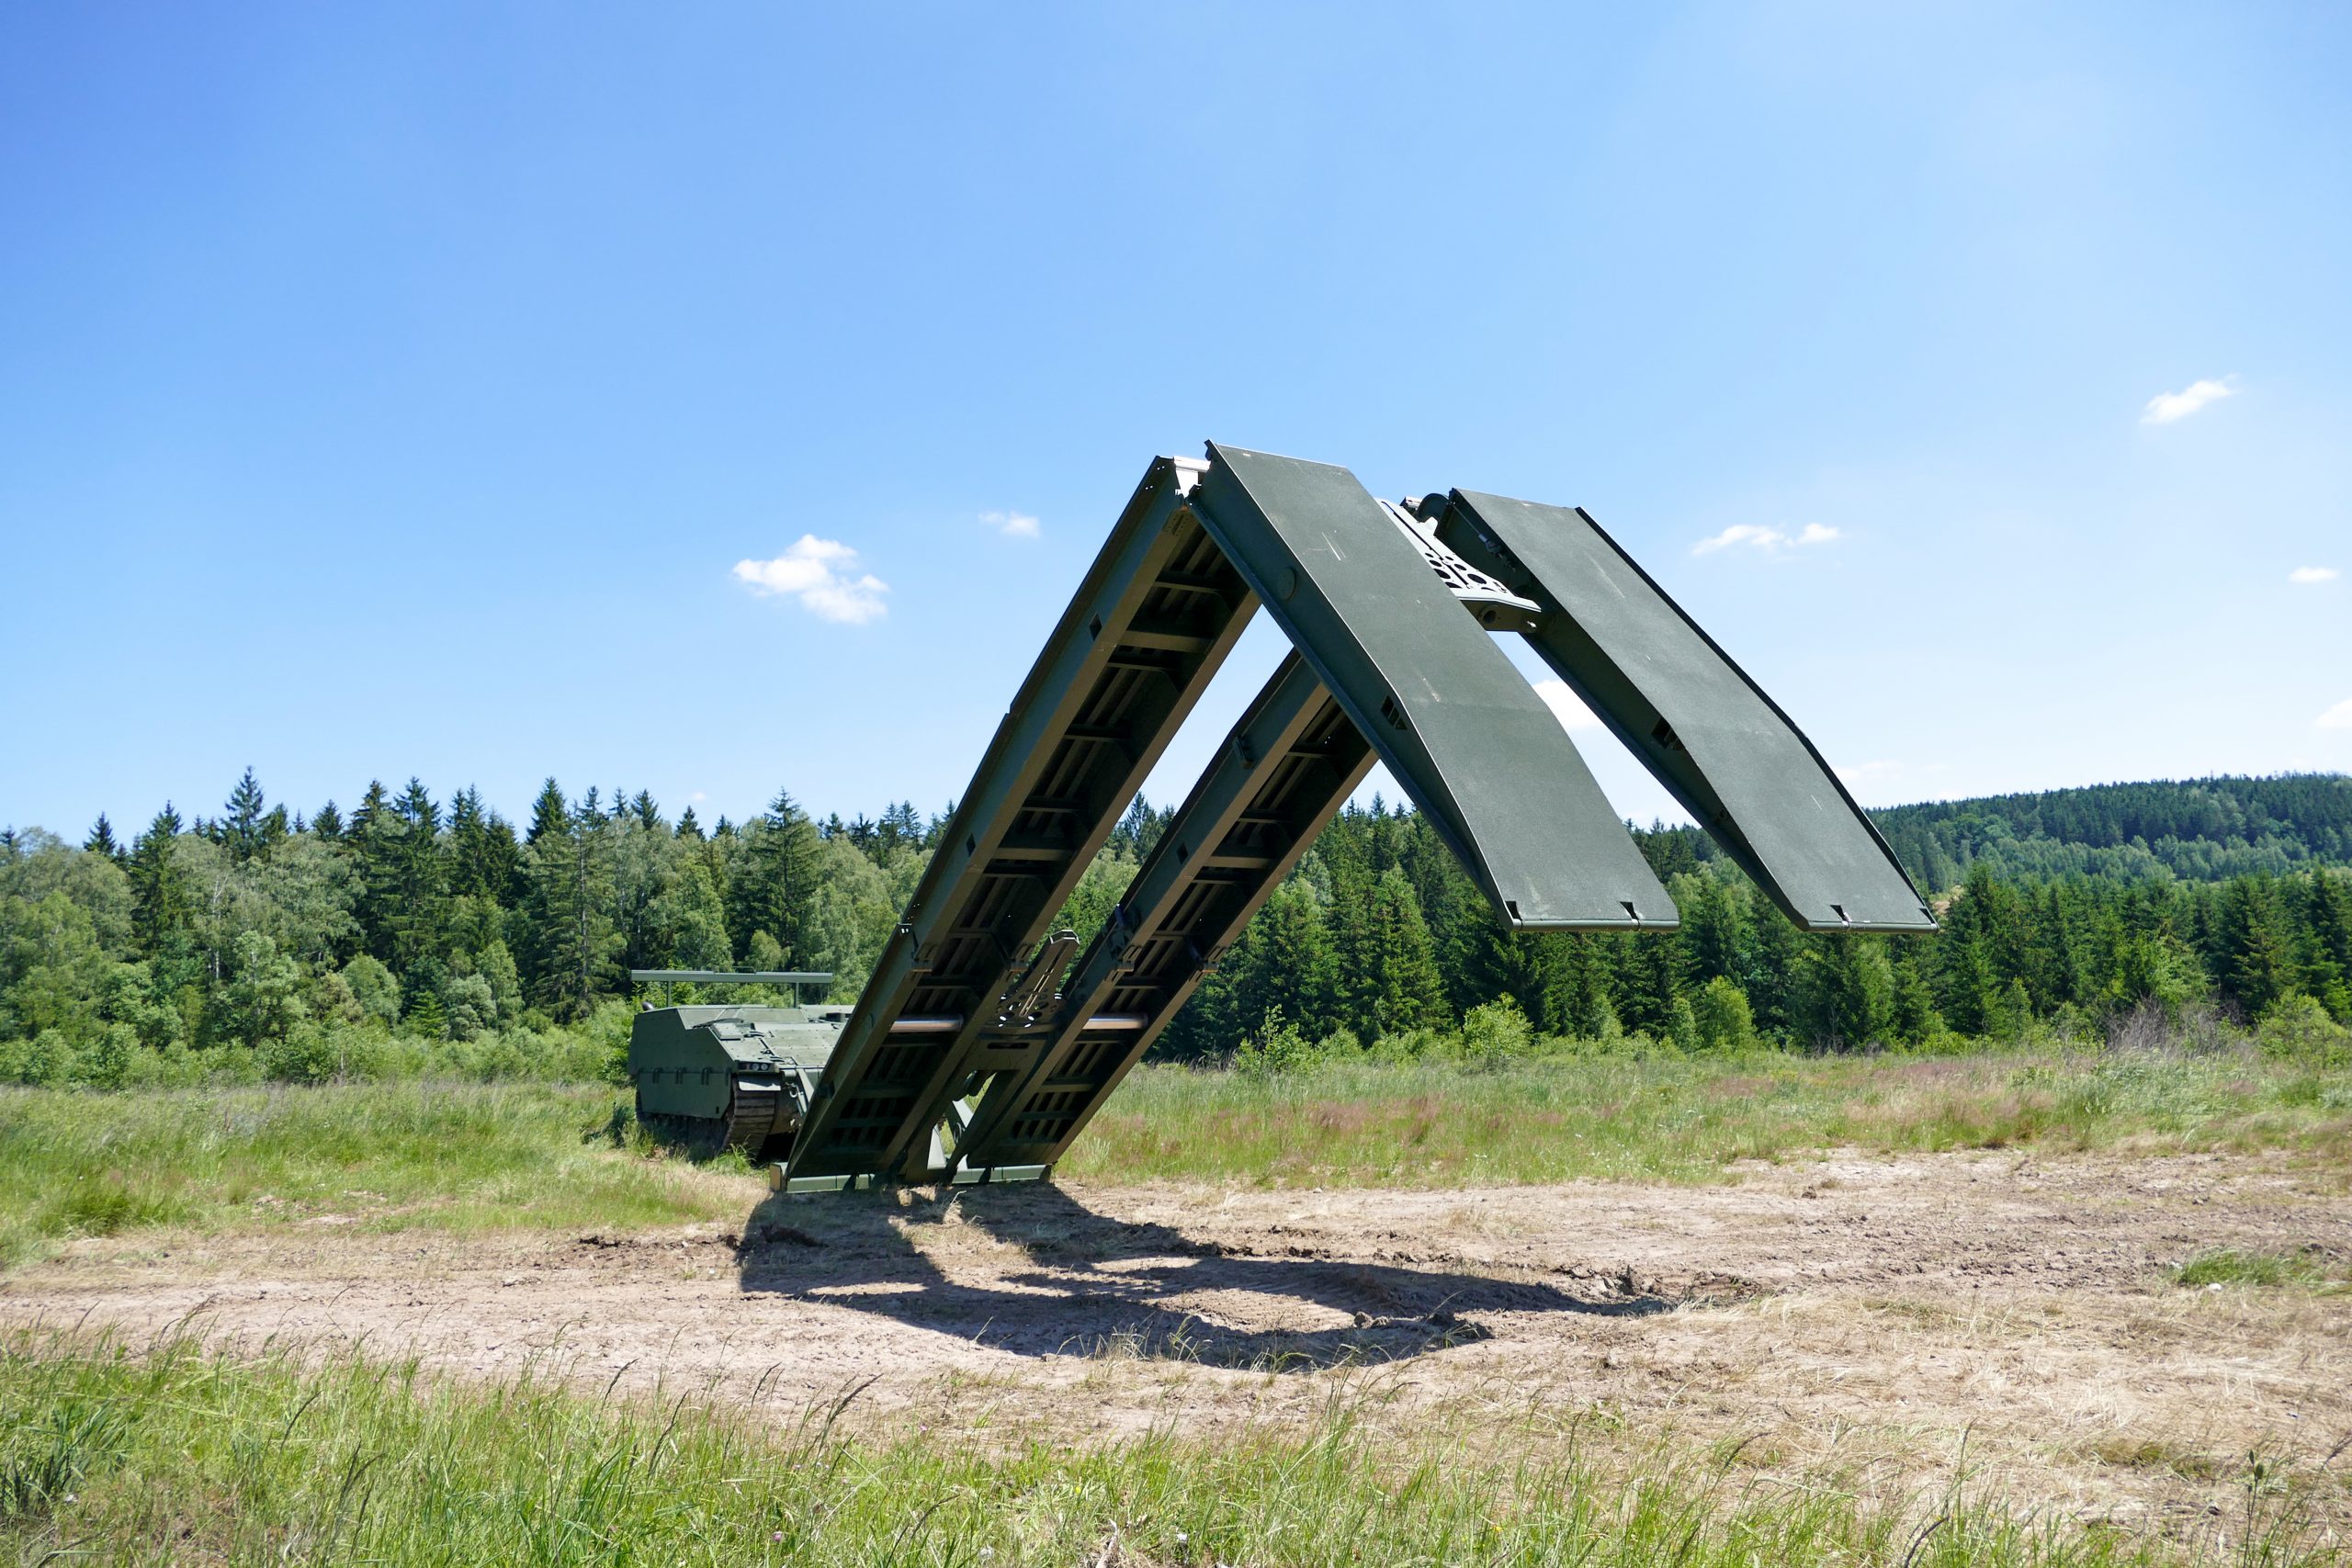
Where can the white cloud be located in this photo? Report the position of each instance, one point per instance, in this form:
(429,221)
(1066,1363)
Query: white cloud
(2313,574)
(2166,407)
(1566,707)
(1763,537)
(2338,717)
(822,574)
(698,796)
(1012,525)
(1870,772)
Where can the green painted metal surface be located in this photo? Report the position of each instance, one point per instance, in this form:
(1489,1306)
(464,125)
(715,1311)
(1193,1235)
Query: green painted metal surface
(733,976)
(980,1049)
(1454,720)
(741,1076)
(1156,614)
(1291,761)
(1736,761)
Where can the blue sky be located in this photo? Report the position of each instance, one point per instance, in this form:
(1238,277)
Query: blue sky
(396,390)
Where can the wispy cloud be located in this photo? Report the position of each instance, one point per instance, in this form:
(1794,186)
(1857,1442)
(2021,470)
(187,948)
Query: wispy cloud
(2309,574)
(2166,407)
(2338,717)
(1881,772)
(1761,536)
(1012,525)
(822,574)
(1566,707)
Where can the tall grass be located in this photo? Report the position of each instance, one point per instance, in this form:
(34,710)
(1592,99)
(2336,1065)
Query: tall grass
(2312,1268)
(476,1156)
(451,1156)
(1666,1117)
(172,1455)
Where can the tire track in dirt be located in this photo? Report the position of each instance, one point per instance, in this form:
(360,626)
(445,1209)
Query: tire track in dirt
(1820,1315)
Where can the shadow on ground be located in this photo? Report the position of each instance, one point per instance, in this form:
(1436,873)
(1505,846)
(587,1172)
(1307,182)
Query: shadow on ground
(1085,1283)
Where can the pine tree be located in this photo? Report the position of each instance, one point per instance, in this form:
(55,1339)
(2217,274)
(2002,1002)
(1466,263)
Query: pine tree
(568,940)
(102,842)
(1388,974)
(484,860)
(2327,927)
(549,813)
(1649,969)
(241,829)
(778,878)
(1915,1018)
(1847,992)
(2053,967)
(328,823)
(1776,950)
(2255,962)
(373,836)
(688,828)
(163,902)
(1296,966)
(1139,831)
(1476,954)
(1577,1002)
(1985,951)
(1714,929)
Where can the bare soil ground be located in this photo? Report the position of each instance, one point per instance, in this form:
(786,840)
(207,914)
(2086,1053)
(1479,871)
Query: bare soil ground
(1892,1322)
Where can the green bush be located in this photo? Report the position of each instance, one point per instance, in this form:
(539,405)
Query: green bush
(46,1060)
(1721,1019)
(107,1063)
(1494,1032)
(2298,1029)
(303,1055)
(1279,1046)
(1404,1045)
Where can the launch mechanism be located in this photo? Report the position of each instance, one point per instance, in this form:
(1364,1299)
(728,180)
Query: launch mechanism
(985,1040)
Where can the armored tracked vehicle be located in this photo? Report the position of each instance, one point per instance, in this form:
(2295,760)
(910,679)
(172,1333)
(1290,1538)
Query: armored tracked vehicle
(716,1077)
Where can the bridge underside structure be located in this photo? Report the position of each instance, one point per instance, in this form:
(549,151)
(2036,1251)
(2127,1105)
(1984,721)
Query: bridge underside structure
(985,1040)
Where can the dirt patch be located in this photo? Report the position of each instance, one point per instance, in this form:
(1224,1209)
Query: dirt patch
(1977,1316)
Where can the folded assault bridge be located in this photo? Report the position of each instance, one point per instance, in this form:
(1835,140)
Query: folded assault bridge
(985,1041)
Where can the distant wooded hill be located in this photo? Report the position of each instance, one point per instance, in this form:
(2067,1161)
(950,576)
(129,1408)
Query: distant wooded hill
(2197,830)
(2203,829)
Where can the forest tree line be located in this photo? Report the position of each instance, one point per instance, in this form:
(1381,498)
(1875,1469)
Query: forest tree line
(425,920)
(2203,829)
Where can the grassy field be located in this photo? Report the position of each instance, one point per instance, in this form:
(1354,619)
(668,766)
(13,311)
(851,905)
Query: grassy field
(471,1156)
(112,1451)
(439,1154)
(171,1455)
(1673,1119)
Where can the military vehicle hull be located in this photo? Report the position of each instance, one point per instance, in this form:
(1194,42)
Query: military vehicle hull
(713,1077)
